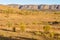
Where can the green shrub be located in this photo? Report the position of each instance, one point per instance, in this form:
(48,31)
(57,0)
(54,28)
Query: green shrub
(22,27)
(38,33)
(46,28)
(51,34)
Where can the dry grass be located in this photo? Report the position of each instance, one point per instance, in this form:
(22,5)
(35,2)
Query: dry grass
(32,21)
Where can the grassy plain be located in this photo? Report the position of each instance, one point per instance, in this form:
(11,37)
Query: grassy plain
(29,24)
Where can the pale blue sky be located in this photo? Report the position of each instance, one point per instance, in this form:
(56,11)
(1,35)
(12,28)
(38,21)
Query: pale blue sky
(29,1)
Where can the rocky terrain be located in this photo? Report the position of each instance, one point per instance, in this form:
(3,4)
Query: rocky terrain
(35,7)
(40,7)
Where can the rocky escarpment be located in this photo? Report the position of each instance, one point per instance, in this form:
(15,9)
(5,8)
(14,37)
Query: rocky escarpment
(35,7)
(40,7)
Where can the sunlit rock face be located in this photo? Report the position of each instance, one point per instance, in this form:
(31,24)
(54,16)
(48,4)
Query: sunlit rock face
(40,7)
(28,7)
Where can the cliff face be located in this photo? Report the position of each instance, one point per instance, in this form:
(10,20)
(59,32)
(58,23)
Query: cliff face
(36,7)
(40,7)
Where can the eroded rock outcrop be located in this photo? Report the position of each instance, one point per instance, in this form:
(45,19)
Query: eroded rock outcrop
(40,7)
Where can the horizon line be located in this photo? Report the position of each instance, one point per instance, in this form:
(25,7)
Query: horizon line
(28,4)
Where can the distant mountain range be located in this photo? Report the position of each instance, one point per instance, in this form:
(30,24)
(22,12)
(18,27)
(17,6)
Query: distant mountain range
(35,7)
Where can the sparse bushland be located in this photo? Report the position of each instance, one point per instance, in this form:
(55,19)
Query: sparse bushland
(25,12)
(37,22)
(10,24)
(49,35)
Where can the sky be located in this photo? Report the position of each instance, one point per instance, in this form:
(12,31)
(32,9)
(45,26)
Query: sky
(23,2)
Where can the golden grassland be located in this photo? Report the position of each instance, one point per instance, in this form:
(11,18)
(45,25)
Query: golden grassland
(16,24)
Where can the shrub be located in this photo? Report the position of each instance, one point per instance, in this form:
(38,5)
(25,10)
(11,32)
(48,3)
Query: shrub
(34,22)
(38,33)
(14,29)
(22,27)
(46,28)
(9,24)
(51,34)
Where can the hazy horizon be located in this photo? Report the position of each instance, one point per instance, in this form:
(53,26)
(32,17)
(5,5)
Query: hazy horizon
(28,2)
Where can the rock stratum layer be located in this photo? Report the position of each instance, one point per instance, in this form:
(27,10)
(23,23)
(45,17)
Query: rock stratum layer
(40,7)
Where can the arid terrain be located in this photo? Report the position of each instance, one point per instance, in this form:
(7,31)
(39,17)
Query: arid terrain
(17,24)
